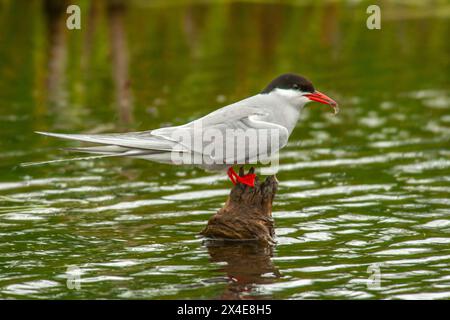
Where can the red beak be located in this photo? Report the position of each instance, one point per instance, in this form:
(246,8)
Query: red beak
(322,98)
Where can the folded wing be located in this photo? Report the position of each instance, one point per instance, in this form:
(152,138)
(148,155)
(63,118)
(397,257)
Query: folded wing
(236,125)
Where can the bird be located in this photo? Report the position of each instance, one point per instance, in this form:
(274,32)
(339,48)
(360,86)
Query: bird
(271,115)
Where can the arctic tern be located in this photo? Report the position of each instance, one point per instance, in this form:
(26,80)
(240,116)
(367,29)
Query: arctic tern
(213,141)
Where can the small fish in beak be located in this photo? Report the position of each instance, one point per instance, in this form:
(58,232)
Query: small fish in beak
(322,98)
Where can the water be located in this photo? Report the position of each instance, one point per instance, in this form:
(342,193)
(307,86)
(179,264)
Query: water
(365,190)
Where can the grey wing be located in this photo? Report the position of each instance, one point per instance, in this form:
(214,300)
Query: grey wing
(230,137)
(242,119)
(133,144)
(253,139)
(159,139)
(117,142)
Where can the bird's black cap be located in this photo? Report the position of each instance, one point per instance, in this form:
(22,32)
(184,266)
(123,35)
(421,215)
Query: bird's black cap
(290,81)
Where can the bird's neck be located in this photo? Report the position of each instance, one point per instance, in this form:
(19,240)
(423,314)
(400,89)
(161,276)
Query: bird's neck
(291,114)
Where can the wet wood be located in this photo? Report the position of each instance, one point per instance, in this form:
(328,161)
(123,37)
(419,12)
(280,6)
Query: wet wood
(247,213)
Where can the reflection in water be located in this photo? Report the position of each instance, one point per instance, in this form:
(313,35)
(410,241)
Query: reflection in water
(59,64)
(247,264)
(119,53)
(57,51)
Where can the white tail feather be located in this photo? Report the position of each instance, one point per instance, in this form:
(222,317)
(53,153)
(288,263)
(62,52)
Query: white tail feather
(30,164)
(123,154)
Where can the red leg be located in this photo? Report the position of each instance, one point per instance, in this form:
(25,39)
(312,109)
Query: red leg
(248,179)
(232,175)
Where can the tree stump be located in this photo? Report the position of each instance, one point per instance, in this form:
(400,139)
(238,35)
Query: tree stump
(247,213)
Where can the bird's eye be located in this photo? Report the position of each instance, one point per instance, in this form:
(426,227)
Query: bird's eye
(295,86)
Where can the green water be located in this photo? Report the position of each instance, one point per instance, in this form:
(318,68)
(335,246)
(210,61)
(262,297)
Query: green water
(369,186)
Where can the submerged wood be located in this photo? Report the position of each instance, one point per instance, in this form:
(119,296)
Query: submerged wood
(247,213)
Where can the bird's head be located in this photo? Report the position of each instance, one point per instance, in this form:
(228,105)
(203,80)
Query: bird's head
(298,91)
